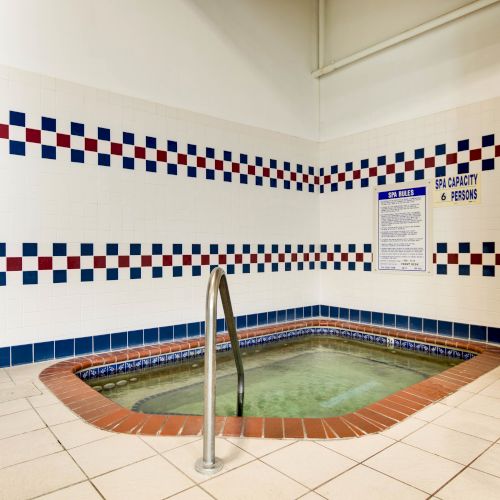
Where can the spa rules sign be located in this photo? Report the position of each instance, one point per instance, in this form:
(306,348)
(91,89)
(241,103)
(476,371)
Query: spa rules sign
(403,229)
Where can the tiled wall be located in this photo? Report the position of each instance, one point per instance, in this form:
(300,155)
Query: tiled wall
(116,210)
(463,284)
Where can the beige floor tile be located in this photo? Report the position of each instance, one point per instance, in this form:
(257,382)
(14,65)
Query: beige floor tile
(448,443)
(165,443)
(415,467)
(254,481)
(14,406)
(27,446)
(80,491)
(471,423)
(9,392)
(151,479)
(39,476)
(109,454)
(362,482)
(489,461)
(56,414)
(401,430)
(359,448)
(479,384)
(45,399)
(312,496)
(195,493)
(78,432)
(260,447)
(17,423)
(432,412)
(308,463)
(185,457)
(492,391)
(482,404)
(23,373)
(456,398)
(471,484)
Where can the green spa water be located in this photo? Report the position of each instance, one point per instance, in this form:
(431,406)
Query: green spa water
(303,377)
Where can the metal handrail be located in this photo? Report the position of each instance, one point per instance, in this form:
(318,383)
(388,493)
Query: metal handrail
(209,463)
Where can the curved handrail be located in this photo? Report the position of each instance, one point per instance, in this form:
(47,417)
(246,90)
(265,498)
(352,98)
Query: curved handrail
(217,283)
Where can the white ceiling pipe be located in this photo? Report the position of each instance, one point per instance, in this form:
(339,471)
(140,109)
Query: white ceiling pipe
(406,35)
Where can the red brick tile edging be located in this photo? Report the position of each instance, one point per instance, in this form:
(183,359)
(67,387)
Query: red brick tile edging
(99,411)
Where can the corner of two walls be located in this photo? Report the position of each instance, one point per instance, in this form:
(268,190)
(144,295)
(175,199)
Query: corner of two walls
(463,286)
(115,209)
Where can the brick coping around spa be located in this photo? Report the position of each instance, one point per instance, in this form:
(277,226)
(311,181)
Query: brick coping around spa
(103,413)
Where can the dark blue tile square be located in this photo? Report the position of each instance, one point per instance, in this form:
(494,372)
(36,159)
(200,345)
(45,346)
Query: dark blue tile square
(87,275)
(193,329)
(315,311)
(364,163)
(351,266)
(489,247)
(77,129)
(493,335)
(377,318)
(172,169)
(112,274)
(104,160)
(157,249)
(399,157)
(261,319)
(30,249)
(419,175)
(461,330)
(4,357)
(440,171)
(442,269)
(381,160)
(366,317)
(102,342)
(227,155)
(49,152)
(135,337)
(442,247)
(488,140)
(389,320)
(112,249)
(227,177)
(30,277)
(191,171)
(381,180)
(367,266)
(402,322)
(21,354)
(3,278)
(489,271)
(430,325)
(191,149)
(336,266)
(241,322)
(463,145)
(77,156)
(166,333)
(17,118)
(445,328)
(83,345)
(307,312)
(440,149)
(464,270)
(119,340)
(157,272)
(334,312)
(151,335)
(48,124)
(59,276)
(463,168)
(419,153)
(128,163)
(43,351)
(354,315)
(180,332)
(281,318)
(464,247)
(299,312)
(477,332)
(488,164)
(128,138)
(64,348)
(290,314)
(221,325)
(196,271)
(415,324)
(400,177)
(87,249)
(2,250)
(103,134)
(17,148)
(258,161)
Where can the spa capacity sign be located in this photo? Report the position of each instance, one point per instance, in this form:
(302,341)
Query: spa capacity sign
(461,189)
(402,229)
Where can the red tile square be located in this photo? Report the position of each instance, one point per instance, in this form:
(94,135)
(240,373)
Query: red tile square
(453,258)
(305,178)
(73,262)
(116,149)
(253,258)
(123,261)
(139,152)
(222,259)
(268,257)
(341,177)
(373,171)
(390,169)
(14,263)
(451,158)
(33,135)
(265,172)
(409,165)
(205,260)
(186,260)
(293,176)
(90,144)
(219,165)
(280,174)
(161,155)
(476,258)
(327,179)
(359,257)
(430,162)
(344,257)
(99,261)
(235,168)
(238,258)
(44,263)
(475,154)
(63,140)
(167,260)
(146,261)
(251,170)
(201,162)
(4,131)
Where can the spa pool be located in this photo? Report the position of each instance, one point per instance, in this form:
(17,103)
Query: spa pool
(306,376)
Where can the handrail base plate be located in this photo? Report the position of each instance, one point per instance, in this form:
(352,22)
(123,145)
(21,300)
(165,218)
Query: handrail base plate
(208,470)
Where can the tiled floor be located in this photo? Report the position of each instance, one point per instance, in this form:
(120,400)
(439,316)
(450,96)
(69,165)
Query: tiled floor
(449,450)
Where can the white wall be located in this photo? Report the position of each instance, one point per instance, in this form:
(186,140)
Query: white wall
(451,66)
(246,61)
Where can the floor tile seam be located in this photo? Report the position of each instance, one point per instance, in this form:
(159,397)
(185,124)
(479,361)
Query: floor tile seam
(471,464)
(70,486)
(33,459)
(449,408)
(290,442)
(142,436)
(309,488)
(183,490)
(45,426)
(468,434)
(359,462)
(398,480)
(64,448)
(479,412)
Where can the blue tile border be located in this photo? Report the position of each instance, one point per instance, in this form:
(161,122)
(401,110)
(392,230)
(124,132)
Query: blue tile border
(46,350)
(112,369)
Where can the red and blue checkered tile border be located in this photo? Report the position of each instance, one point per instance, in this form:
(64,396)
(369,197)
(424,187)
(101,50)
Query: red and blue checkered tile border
(32,263)
(465,258)
(54,349)
(78,143)
(87,262)
(466,156)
